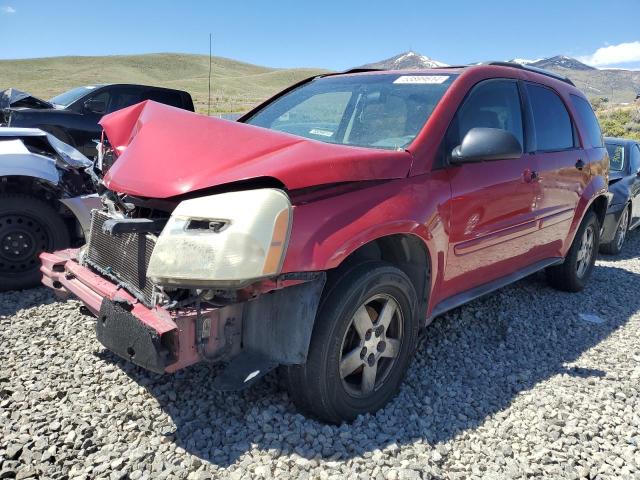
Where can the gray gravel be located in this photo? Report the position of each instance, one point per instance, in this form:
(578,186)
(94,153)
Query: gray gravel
(514,385)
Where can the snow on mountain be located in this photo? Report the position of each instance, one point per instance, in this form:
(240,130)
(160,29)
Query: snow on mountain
(406,61)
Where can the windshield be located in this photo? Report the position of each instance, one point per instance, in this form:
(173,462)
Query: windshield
(67,98)
(379,111)
(616,157)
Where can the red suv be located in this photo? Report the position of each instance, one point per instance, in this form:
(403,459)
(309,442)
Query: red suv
(324,230)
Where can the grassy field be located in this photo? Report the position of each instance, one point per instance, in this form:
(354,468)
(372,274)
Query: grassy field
(236,86)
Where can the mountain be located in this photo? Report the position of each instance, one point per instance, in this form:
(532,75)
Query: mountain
(235,86)
(406,61)
(524,61)
(617,85)
(561,61)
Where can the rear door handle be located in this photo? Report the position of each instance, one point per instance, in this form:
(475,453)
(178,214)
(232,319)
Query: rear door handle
(579,164)
(530,176)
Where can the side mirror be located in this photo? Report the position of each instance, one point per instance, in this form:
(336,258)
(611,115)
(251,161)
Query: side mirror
(95,106)
(482,144)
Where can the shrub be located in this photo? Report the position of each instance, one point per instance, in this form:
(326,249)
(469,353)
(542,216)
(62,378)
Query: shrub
(620,122)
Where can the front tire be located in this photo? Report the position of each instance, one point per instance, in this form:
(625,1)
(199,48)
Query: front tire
(573,273)
(614,247)
(28,227)
(363,339)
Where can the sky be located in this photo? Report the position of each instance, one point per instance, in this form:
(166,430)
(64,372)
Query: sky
(332,34)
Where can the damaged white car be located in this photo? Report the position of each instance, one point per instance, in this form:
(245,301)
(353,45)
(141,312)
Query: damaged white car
(46,197)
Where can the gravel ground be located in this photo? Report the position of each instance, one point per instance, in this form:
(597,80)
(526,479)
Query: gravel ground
(513,385)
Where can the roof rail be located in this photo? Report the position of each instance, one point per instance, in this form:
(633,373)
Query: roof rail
(354,70)
(367,69)
(530,68)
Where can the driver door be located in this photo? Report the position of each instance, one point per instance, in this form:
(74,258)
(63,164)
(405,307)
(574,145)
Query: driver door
(92,108)
(493,202)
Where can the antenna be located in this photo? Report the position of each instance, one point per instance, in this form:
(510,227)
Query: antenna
(209,97)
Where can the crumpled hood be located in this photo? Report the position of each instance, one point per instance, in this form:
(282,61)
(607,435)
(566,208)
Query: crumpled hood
(165,151)
(14,98)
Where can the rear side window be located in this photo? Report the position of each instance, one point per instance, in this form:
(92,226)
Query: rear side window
(616,156)
(491,104)
(551,120)
(161,96)
(589,120)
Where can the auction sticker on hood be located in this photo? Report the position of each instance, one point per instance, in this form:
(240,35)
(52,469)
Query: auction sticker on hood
(421,79)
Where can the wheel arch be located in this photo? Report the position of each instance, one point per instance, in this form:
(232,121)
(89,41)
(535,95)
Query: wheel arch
(596,198)
(599,206)
(409,252)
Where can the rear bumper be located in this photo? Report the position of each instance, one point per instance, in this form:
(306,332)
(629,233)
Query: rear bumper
(154,338)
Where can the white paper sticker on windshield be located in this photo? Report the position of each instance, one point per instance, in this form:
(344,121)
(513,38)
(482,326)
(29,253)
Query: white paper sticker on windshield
(421,79)
(323,133)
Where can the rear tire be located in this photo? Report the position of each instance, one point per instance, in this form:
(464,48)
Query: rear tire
(28,227)
(614,247)
(572,275)
(363,339)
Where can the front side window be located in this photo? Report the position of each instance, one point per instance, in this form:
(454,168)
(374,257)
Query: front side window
(584,110)
(103,97)
(374,110)
(551,120)
(164,96)
(616,157)
(635,158)
(491,104)
(67,98)
(123,98)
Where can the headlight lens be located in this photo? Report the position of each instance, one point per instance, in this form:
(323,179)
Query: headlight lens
(223,240)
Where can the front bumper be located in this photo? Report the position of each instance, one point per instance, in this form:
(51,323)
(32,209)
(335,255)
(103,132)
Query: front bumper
(154,338)
(610,223)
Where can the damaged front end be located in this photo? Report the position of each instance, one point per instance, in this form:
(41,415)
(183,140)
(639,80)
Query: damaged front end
(36,163)
(173,283)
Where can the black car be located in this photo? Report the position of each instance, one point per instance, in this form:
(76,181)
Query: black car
(623,213)
(73,116)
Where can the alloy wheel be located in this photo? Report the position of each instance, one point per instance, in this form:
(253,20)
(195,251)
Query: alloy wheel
(585,251)
(371,345)
(622,228)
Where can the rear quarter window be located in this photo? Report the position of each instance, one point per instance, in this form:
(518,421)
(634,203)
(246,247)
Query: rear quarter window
(589,120)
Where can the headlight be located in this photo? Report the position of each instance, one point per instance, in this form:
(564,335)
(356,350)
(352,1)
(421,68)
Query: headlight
(223,240)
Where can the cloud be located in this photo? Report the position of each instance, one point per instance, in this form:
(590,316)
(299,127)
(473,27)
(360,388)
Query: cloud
(7,9)
(613,55)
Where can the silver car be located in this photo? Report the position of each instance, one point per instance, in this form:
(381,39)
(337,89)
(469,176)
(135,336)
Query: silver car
(46,196)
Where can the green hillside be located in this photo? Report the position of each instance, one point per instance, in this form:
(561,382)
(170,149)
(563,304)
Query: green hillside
(616,85)
(236,86)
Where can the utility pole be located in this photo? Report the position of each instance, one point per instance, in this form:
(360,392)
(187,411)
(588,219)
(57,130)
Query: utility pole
(209,97)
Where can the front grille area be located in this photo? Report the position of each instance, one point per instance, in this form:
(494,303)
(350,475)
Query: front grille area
(123,258)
